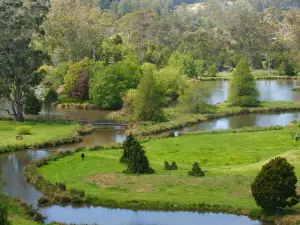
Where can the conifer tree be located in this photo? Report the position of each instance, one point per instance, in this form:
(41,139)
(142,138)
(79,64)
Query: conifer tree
(243,90)
(135,158)
(196,171)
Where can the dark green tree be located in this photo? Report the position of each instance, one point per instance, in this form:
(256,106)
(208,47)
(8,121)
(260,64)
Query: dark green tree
(126,148)
(19,62)
(174,166)
(243,90)
(50,98)
(196,171)
(167,166)
(275,186)
(32,104)
(135,158)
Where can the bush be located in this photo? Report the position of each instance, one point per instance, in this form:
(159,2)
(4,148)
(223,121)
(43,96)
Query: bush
(3,211)
(61,186)
(79,193)
(170,167)
(43,200)
(32,104)
(167,166)
(174,166)
(196,171)
(275,186)
(23,129)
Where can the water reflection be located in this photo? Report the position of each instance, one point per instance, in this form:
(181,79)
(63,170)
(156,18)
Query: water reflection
(240,121)
(12,168)
(100,215)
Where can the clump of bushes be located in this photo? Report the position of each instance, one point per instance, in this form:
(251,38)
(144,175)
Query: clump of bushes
(44,200)
(173,166)
(62,186)
(23,129)
(196,171)
(75,192)
(297,88)
(86,129)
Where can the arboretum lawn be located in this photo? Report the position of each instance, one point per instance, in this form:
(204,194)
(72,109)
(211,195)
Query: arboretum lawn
(41,132)
(231,160)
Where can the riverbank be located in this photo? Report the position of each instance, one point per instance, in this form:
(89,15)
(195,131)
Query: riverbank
(229,173)
(179,119)
(42,135)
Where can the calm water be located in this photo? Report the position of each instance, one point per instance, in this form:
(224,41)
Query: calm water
(269,90)
(106,216)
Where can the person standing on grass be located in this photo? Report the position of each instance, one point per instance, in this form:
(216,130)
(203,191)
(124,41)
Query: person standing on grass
(82,156)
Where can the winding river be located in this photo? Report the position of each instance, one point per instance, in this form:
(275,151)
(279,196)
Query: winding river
(12,165)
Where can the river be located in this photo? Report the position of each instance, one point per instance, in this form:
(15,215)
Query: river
(12,164)
(12,167)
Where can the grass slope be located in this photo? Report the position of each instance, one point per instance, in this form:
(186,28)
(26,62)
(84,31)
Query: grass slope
(40,133)
(231,160)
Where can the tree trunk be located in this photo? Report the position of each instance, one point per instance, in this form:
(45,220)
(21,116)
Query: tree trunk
(141,51)
(94,53)
(17,109)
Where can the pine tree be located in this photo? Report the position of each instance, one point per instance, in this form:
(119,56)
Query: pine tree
(243,90)
(135,158)
(174,166)
(126,148)
(196,171)
(167,166)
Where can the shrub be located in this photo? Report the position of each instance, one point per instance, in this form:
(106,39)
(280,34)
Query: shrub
(174,166)
(126,146)
(170,167)
(61,186)
(275,186)
(79,193)
(3,211)
(167,166)
(43,200)
(23,129)
(196,171)
(32,104)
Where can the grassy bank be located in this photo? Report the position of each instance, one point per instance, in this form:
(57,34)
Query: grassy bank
(179,119)
(43,135)
(231,161)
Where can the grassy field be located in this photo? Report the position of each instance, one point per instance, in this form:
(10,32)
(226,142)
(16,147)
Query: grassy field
(231,162)
(40,133)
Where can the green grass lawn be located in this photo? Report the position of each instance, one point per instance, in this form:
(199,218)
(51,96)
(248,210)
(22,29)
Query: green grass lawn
(41,132)
(231,160)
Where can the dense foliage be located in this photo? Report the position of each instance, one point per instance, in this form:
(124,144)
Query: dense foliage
(32,104)
(243,90)
(275,186)
(3,211)
(196,171)
(135,158)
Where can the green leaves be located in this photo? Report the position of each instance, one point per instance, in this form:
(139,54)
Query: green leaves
(275,186)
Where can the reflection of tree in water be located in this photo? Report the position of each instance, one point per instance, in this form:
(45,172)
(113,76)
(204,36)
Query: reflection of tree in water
(240,121)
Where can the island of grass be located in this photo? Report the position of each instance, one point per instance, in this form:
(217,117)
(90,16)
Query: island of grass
(42,134)
(230,161)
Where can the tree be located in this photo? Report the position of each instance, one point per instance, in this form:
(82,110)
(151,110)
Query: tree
(212,71)
(275,186)
(196,171)
(243,90)
(50,98)
(126,148)
(149,97)
(19,62)
(135,158)
(195,99)
(32,104)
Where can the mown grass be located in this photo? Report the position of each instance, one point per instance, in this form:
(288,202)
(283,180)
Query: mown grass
(41,132)
(231,161)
